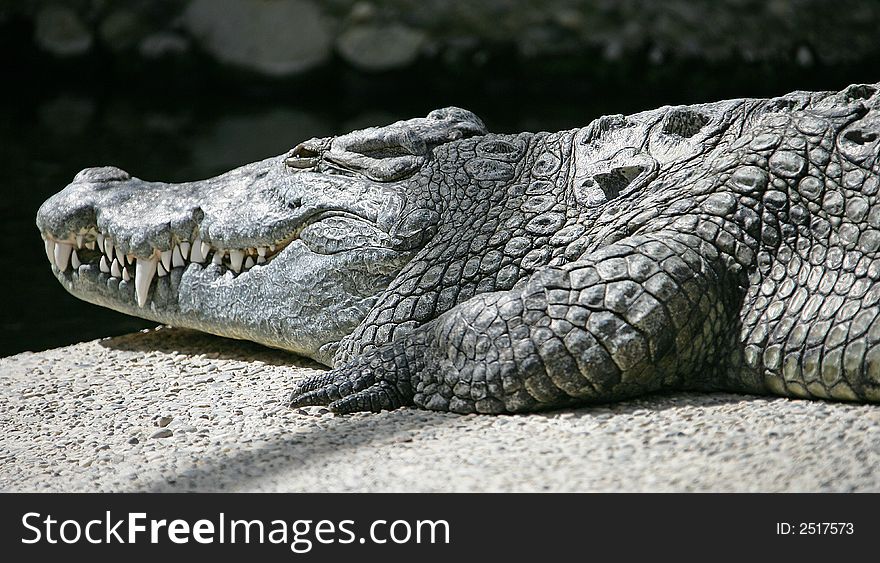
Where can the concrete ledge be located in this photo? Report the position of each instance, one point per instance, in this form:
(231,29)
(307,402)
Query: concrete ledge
(175,410)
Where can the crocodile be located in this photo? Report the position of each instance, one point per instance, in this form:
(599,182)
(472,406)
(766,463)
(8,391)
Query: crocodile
(718,246)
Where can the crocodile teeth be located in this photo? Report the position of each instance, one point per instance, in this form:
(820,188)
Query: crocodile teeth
(261,251)
(90,245)
(145,269)
(235,259)
(115,270)
(166,259)
(161,271)
(100,239)
(74,260)
(248,263)
(125,275)
(205,248)
(120,257)
(184,250)
(103,265)
(197,255)
(261,260)
(79,241)
(177,258)
(218,257)
(62,254)
(108,248)
(50,250)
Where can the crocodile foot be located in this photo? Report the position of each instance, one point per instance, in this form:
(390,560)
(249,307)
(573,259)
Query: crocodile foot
(369,383)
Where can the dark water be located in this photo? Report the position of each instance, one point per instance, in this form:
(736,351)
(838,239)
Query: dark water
(50,130)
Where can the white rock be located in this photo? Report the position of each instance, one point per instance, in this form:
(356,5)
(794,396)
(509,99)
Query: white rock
(380,47)
(60,31)
(270,37)
(163,44)
(119,30)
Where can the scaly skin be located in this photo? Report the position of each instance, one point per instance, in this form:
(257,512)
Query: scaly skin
(748,264)
(726,246)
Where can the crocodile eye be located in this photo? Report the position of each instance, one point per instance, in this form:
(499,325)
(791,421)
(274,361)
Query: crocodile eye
(304,152)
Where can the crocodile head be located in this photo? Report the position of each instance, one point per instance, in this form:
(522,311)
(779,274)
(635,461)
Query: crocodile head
(292,259)
(291,251)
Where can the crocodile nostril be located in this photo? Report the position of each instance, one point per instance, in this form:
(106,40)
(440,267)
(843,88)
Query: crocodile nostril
(102,174)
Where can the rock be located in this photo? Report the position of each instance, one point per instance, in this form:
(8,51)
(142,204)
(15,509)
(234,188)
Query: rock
(164,433)
(380,47)
(267,36)
(60,31)
(133,441)
(362,12)
(120,30)
(568,18)
(163,44)
(804,56)
(164,421)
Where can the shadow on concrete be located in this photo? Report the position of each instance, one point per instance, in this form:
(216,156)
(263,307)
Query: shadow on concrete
(171,340)
(302,447)
(308,448)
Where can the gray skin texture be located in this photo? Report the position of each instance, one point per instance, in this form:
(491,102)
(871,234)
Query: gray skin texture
(725,246)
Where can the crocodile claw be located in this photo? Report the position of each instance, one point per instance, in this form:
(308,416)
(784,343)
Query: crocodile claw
(348,389)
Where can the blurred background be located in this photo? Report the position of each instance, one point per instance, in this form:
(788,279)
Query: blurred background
(186,89)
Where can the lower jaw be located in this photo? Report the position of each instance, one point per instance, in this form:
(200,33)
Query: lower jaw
(209,298)
(90,284)
(98,288)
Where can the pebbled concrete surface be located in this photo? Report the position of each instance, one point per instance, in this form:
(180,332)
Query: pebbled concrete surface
(176,410)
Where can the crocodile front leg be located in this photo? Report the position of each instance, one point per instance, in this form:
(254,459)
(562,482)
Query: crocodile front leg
(638,316)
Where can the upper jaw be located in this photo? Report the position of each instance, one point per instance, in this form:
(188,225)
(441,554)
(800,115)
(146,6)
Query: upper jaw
(136,231)
(239,209)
